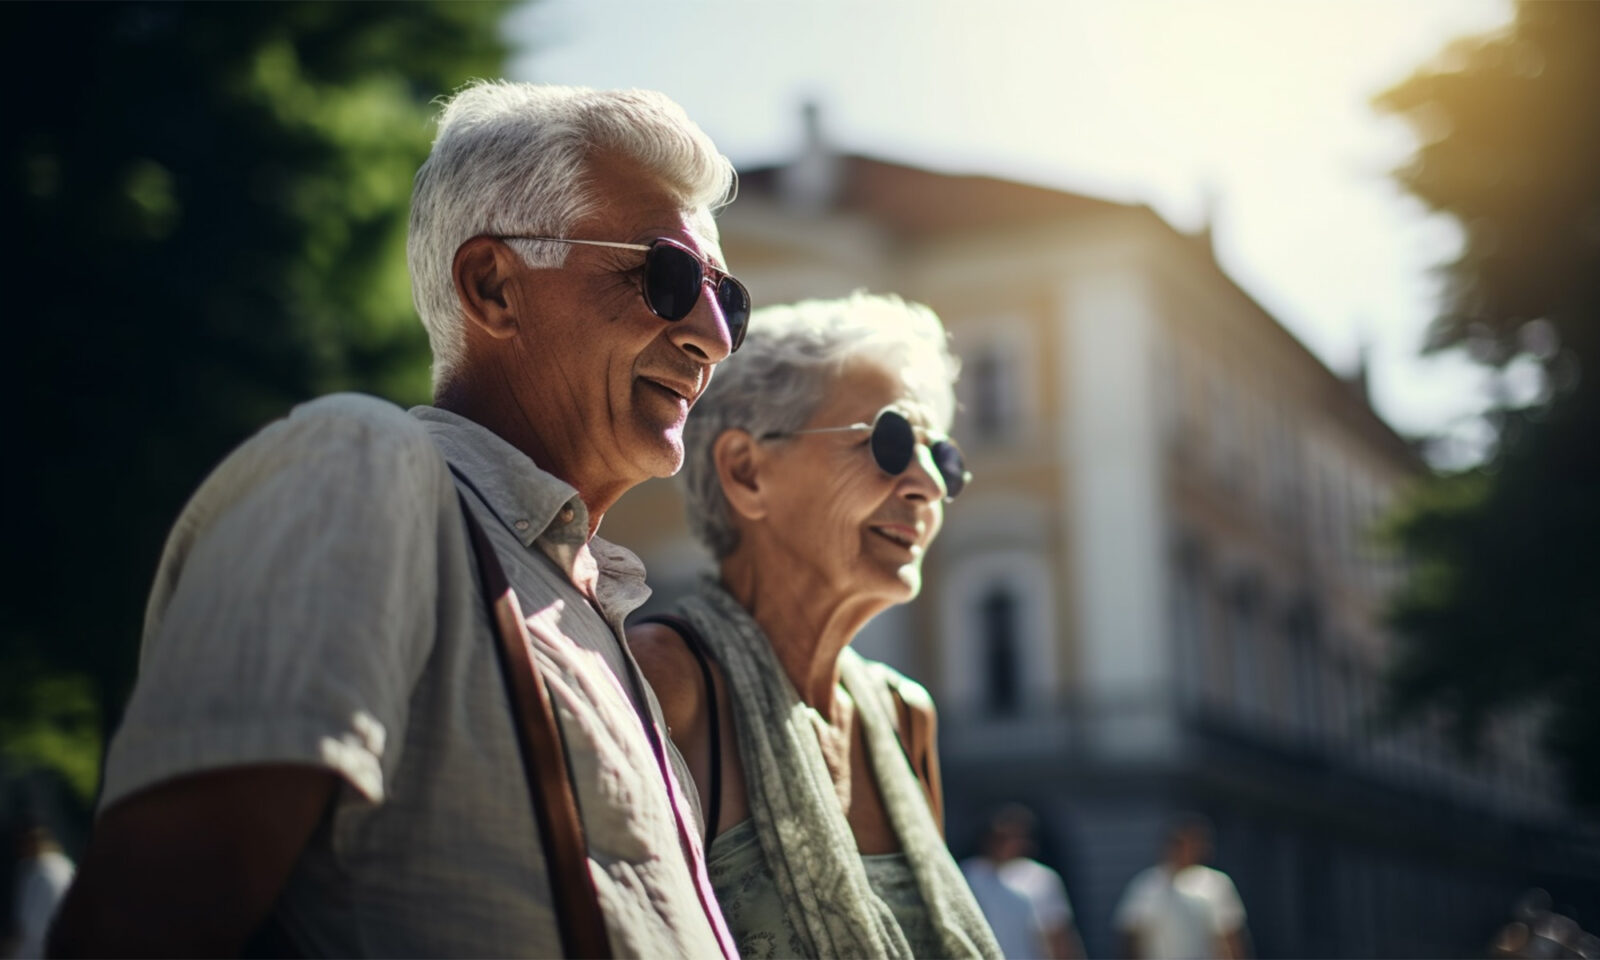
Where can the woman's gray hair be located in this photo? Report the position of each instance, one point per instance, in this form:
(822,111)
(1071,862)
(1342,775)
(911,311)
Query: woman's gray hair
(790,358)
(513,158)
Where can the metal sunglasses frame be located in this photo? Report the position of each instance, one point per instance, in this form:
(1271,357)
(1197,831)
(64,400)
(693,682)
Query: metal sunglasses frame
(709,270)
(920,435)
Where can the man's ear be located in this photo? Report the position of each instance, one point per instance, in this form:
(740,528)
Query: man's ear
(738,461)
(482,271)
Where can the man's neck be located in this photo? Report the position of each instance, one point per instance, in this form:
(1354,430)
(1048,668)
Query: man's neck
(507,421)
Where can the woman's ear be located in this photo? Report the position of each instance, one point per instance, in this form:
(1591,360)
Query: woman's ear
(482,271)
(738,460)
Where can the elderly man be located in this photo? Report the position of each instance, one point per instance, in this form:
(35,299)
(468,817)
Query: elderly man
(320,745)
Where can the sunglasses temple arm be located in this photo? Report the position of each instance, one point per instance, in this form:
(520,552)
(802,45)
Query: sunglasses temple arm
(852,427)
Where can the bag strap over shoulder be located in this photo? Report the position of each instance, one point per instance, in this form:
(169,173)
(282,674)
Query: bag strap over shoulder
(691,639)
(914,711)
(544,760)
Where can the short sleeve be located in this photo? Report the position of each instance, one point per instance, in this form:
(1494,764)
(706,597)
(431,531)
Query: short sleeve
(1050,899)
(1227,910)
(294,605)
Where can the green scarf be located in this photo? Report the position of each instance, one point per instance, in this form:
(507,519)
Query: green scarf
(805,836)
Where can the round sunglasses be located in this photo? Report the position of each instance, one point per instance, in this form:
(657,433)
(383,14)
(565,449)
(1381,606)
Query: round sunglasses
(894,446)
(673,278)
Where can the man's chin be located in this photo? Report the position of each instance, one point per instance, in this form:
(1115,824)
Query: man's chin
(669,469)
(663,456)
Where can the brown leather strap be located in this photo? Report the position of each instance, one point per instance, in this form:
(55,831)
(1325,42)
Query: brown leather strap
(544,760)
(916,739)
(691,639)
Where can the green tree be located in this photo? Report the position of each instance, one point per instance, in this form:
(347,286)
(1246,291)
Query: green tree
(206,212)
(1502,612)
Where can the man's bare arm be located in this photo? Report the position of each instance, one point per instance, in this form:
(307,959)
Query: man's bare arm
(191,866)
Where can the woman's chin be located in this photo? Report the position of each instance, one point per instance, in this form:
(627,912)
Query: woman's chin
(910,579)
(884,584)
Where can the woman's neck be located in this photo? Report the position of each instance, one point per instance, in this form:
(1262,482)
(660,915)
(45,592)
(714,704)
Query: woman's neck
(808,622)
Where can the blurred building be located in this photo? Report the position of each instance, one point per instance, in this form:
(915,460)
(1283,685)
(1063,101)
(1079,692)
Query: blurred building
(1160,592)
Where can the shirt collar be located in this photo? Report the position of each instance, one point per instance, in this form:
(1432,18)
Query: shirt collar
(538,508)
(530,502)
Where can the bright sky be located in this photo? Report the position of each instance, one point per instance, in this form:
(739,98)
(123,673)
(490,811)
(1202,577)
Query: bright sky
(1261,106)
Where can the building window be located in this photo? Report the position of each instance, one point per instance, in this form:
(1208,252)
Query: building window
(1306,659)
(1336,700)
(997,627)
(1284,457)
(992,403)
(997,392)
(1244,635)
(1227,430)
(1001,682)
(1190,630)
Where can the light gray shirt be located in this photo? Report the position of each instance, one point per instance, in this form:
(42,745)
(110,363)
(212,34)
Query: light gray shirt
(1182,915)
(1015,919)
(317,603)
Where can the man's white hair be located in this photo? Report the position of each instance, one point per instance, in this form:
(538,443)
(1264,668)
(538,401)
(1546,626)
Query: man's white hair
(513,158)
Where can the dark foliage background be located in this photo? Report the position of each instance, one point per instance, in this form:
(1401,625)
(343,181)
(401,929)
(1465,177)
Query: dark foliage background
(204,206)
(1502,613)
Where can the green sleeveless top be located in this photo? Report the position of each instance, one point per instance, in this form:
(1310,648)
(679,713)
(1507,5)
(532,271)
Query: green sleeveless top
(748,893)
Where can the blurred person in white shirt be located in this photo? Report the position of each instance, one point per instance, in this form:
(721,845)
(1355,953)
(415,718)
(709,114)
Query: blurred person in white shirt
(1025,901)
(43,875)
(1181,908)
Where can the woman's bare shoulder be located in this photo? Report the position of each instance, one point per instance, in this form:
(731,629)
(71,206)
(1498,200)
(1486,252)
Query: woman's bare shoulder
(672,670)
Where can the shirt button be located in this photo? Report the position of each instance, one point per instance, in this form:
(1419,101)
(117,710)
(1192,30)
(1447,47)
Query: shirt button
(521,524)
(566,514)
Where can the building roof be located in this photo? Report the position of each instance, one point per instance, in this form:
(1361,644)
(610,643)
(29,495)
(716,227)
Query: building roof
(917,202)
(898,196)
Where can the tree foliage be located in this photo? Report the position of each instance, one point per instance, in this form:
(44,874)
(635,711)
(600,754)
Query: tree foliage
(1502,612)
(206,207)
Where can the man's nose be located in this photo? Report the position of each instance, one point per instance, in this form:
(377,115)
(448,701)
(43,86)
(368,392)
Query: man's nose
(704,333)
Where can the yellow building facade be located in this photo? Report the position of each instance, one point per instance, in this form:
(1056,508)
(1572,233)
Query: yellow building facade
(1162,591)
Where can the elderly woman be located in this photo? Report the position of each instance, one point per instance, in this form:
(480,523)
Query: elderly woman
(817,474)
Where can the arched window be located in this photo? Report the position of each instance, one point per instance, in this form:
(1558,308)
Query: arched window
(1002,684)
(997,626)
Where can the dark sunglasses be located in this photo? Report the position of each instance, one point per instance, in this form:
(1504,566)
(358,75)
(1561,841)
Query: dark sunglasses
(673,276)
(894,446)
